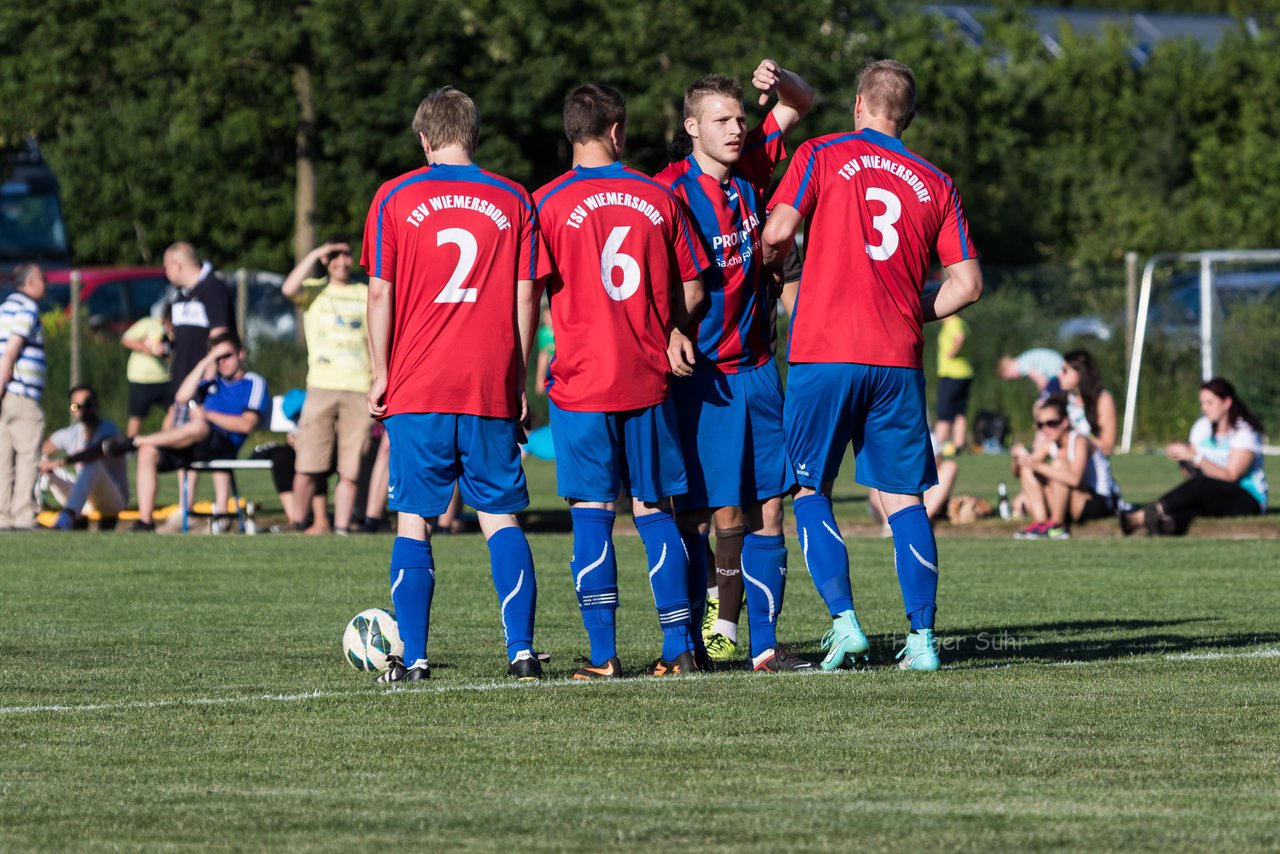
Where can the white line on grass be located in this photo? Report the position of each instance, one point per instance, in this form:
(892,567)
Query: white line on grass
(484,687)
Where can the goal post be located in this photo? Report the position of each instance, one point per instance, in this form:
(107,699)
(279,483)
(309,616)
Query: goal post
(1207,262)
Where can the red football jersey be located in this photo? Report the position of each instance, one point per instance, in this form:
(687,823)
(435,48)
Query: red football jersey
(615,243)
(453,241)
(875,213)
(735,329)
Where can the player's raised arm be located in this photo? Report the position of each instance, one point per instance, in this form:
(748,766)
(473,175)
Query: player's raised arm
(379,325)
(795,96)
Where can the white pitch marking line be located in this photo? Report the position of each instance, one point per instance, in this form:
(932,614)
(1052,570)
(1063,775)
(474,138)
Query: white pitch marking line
(485,687)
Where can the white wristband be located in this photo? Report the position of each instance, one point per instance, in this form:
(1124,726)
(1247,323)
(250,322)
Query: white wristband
(1198,459)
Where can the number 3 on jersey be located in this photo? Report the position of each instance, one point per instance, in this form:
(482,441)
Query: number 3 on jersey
(884,223)
(466,243)
(611,259)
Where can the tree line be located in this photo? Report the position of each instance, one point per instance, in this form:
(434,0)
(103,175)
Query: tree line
(242,125)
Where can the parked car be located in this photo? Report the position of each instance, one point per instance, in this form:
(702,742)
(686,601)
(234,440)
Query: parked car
(31,224)
(271,316)
(113,297)
(1177,314)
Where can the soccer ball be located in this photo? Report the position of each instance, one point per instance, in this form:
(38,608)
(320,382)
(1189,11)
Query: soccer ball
(370,637)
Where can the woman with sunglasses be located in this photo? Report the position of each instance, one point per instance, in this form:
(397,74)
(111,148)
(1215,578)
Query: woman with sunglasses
(1222,463)
(1065,478)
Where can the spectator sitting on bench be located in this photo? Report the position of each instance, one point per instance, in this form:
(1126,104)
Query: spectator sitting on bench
(217,406)
(76,474)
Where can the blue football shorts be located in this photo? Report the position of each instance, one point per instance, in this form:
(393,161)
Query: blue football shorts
(731,434)
(879,410)
(597,453)
(430,451)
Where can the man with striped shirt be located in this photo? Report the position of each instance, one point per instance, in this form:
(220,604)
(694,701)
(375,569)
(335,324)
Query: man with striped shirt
(730,409)
(21,389)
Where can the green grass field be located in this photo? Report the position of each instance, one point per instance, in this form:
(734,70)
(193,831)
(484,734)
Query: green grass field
(189,692)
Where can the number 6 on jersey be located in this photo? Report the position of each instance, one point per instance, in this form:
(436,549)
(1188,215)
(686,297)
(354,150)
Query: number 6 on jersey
(611,258)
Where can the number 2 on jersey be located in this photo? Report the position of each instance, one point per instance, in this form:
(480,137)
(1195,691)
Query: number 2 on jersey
(466,243)
(611,258)
(884,223)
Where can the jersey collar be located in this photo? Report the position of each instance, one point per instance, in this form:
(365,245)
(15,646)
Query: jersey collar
(883,140)
(587,171)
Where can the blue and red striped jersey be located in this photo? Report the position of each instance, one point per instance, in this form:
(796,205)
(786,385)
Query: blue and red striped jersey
(735,328)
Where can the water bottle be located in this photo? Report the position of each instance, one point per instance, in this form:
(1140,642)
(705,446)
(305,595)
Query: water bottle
(1006,512)
(250,523)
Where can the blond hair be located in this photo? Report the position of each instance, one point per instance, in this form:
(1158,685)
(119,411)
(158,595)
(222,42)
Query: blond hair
(448,117)
(888,89)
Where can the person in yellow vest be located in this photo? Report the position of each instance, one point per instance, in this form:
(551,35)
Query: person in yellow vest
(954,376)
(335,414)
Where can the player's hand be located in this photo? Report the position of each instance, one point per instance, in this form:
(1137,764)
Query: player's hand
(766,79)
(376,398)
(681,354)
(526,420)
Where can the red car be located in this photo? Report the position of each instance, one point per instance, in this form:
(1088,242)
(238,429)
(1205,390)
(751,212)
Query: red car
(113,297)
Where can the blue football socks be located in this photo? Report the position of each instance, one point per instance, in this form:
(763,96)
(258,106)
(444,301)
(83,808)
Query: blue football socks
(764,571)
(595,579)
(824,551)
(413,582)
(511,564)
(669,577)
(915,553)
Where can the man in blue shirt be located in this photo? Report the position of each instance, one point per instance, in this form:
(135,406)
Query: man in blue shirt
(223,403)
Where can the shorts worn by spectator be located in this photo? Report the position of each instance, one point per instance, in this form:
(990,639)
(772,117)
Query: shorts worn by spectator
(338,378)
(21,389)
(225,403)
(82,480)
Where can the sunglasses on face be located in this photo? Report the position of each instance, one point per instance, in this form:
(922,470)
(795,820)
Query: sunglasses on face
(1048,425)
(224,357)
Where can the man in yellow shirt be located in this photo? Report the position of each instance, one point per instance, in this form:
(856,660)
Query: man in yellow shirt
(954,376)
(151,340)
(335,413)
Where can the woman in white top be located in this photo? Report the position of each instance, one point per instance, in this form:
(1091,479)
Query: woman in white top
(1222,461)
(1091,409)
(1060,476)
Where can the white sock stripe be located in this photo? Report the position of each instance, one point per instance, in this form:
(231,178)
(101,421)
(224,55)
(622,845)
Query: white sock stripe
(932,567)
(767,592)
(399,578)
(502,609)
(661,560)
(577,582)
(833,532)
(804,547)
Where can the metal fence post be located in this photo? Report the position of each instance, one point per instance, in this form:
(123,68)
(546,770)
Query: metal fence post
(75,328)
(242,303)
